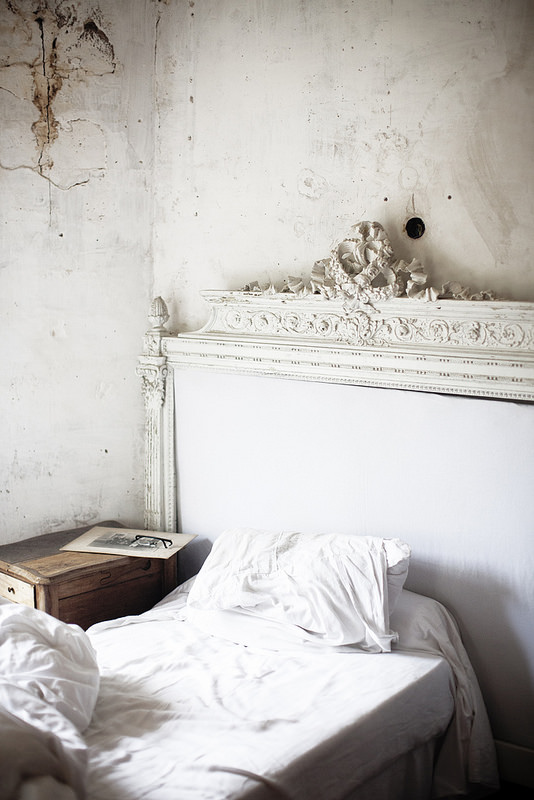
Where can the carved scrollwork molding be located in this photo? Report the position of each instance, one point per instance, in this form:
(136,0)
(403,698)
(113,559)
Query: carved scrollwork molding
(477,348)
(383,327)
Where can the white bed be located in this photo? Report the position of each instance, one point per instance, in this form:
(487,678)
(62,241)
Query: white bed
(166,710)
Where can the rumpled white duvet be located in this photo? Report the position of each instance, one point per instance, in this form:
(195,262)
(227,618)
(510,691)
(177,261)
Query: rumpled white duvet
(49,681)
(182,715)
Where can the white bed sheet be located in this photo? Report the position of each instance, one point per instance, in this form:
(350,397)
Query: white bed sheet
(237,722)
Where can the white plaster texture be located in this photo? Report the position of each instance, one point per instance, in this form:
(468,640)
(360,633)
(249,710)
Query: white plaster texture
(75,260)
(281,124)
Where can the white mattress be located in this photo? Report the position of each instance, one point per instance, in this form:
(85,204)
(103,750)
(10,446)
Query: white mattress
(186,716)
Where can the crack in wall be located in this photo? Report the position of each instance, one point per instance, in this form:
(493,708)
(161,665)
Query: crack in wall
(70,50)
(46,128)
(46,177)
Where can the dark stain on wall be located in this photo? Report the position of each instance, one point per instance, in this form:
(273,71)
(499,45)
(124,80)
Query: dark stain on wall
(47,84)
(70,49)
(95,37)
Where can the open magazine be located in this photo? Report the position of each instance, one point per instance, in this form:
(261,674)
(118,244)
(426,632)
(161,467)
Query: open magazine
(129,542)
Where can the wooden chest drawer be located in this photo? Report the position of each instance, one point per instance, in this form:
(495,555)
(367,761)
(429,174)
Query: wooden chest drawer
(82,588)
(110,592)
(12,588)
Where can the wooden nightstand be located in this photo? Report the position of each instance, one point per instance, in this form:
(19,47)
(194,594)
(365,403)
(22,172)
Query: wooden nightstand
(82,588)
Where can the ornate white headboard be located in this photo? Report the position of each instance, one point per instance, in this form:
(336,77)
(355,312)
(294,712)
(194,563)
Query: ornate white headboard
(442,466)
(364,317)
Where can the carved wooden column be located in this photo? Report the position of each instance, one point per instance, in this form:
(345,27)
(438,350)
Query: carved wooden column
(159,405)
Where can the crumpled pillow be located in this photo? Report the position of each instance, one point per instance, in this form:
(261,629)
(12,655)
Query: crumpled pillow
(327,589)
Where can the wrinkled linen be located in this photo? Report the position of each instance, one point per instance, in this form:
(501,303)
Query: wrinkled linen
(327,589)
(182,714)
(34,763)
(467,756)
(49,683)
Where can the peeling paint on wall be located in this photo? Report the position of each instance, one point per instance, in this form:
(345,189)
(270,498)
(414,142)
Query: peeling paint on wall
(57,49)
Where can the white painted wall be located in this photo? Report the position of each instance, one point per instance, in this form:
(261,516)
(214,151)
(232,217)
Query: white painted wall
(76,162)
(280,124)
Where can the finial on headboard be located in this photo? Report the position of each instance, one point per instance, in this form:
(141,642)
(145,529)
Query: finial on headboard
(158,316)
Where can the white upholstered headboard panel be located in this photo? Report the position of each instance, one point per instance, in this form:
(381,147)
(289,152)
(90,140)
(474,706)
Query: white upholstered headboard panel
(341,446)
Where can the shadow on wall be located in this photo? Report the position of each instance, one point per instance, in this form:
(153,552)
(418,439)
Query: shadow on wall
(192,557)
(488,611)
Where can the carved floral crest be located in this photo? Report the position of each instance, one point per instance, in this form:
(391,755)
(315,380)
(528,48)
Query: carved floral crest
(363,269)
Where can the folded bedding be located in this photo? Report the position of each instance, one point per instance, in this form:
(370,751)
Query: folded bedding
(467,756)
(34,763)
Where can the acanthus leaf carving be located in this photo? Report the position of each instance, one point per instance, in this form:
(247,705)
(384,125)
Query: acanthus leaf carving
(153,377)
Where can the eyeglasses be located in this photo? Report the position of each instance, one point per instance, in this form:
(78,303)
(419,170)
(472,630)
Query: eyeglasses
(166,542)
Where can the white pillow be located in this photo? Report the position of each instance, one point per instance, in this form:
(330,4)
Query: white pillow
(329,589)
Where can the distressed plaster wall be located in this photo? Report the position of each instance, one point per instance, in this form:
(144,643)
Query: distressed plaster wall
(283,123)
(76,161)
(278,126)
